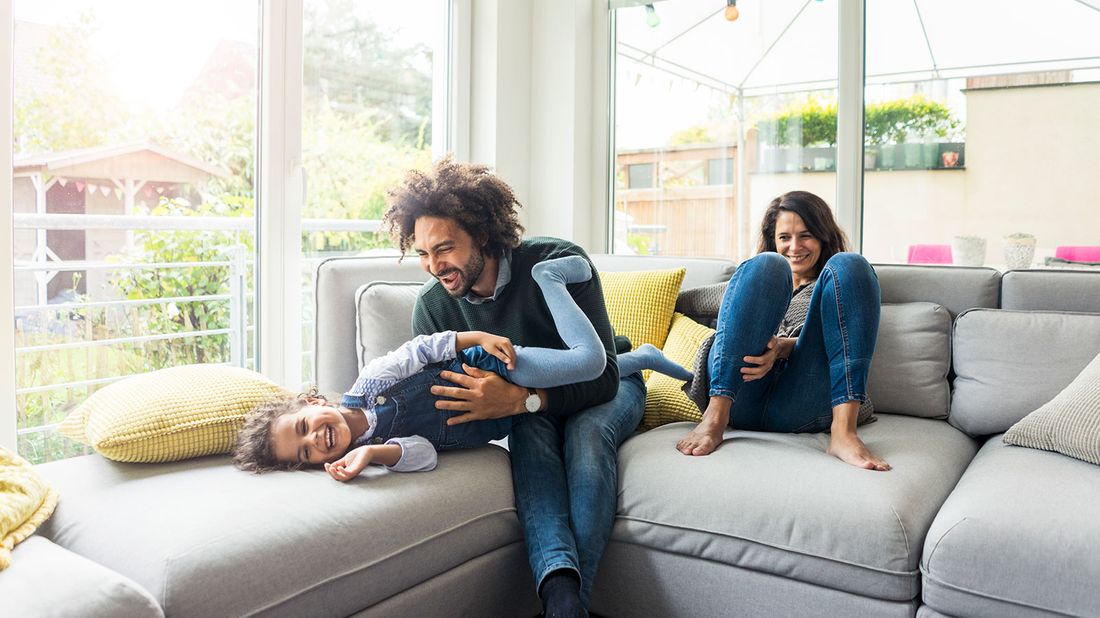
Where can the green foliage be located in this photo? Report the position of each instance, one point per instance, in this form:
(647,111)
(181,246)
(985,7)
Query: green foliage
(642,244)
(695,134)
(812,123)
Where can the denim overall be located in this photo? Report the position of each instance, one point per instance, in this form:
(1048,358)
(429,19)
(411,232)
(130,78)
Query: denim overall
(407,408)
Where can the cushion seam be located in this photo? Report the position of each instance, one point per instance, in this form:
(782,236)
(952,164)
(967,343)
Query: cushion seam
(904,534)
(766,544)
(985,595)
(382,559)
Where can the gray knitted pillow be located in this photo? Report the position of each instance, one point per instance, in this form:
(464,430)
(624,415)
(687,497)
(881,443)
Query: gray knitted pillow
(1069,423)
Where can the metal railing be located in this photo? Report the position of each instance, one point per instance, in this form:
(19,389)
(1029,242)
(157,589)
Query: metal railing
(44,266)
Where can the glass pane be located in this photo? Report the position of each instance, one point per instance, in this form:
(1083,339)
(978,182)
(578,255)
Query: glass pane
(133,198)
(980,134)
(366,119)
(725,115)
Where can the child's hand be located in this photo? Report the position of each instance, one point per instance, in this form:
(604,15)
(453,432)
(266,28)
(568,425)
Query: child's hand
(500,347)
(350,465)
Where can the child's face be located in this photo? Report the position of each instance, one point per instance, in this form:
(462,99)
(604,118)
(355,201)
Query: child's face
(313,435)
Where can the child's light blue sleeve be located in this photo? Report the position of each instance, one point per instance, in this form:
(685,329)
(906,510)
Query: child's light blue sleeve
(408,359)
(417,455)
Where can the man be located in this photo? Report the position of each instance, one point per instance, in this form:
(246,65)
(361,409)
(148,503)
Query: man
(462,222)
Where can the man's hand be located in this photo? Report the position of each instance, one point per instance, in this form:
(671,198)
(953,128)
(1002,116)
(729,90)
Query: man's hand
(481,394)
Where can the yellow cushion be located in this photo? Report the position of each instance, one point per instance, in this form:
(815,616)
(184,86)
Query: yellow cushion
(665,402)
(170,414)
(640,304)
(25,502)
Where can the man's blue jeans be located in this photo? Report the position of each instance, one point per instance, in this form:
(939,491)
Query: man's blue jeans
(565,473)
(831,358)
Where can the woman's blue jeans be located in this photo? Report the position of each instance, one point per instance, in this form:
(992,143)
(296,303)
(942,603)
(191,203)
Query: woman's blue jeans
(830,361)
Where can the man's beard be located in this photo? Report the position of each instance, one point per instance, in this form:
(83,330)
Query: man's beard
(469,274)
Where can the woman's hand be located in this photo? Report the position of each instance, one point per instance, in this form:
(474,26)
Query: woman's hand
(763,363)
(500,347)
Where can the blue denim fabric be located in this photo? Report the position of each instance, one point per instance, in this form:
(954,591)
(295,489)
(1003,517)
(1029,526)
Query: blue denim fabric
(830,361)
(565,473)
(408,408)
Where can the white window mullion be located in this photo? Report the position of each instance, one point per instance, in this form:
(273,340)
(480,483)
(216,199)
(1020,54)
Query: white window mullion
(280,190)
(7,289)
(451,84)
(849,122)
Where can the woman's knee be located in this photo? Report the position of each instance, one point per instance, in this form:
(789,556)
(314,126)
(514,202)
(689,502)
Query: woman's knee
(767,266)
(850,262)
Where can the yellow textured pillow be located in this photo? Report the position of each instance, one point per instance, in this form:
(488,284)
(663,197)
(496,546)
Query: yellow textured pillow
(170,414)
(25,502)
(665,402)
(640,304)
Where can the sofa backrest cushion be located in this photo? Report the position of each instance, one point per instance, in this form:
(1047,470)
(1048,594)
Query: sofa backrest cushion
(1008,363)
(954,287)
(912,359)
(383,317)
(1051,290)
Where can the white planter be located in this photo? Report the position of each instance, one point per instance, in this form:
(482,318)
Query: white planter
(1019,252)
(968,250)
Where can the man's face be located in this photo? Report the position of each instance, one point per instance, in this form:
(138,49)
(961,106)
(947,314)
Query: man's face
(449,254)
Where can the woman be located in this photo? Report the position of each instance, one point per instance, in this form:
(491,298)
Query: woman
(796,331)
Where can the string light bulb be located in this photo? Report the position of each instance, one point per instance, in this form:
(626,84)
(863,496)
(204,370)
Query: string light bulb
(651,18)
(731,10)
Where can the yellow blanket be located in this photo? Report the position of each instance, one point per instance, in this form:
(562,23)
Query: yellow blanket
(26,501)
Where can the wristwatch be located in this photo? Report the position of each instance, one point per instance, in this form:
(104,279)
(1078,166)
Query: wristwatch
(533,401)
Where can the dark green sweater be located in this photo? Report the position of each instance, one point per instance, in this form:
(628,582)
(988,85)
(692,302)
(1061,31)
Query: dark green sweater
(520,313)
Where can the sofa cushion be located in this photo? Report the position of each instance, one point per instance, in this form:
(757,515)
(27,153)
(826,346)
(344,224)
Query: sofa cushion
(1008,363)
(25,502)
(665,400)
(956,288)
(776,503)
(640,303)
(170,414)
(1017,537)
(1051,290)
(383,318)
(207,539)
(47,581)
(912,357)
(1069,423)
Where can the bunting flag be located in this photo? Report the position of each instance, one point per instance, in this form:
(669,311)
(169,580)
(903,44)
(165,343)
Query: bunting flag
(105,190)
(92,188)
(62,182)
(79,186)
(160,190)
(118,193)
(147,191)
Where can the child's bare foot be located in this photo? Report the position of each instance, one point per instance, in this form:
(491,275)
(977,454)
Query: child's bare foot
(707,435)
(850,449)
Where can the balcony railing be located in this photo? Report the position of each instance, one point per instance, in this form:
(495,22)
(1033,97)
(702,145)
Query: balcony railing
(236,258)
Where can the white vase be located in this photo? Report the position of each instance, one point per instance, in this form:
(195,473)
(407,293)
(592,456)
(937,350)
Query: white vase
(1019,252)
(968,251)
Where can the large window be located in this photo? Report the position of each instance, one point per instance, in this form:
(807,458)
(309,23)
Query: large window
(135,168)
(132,197)
(716,116)
(981,122)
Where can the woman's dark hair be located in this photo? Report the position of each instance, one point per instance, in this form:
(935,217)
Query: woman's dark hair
(480,202)
(817,216)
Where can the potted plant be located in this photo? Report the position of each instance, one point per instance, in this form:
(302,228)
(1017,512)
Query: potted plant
(968,250)
(1019,250)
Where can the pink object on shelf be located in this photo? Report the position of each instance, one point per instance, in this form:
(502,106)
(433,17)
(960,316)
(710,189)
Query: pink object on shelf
(930,254)
(1078,254)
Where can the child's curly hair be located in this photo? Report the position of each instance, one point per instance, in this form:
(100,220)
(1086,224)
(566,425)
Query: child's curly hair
(253,451)
(482,204)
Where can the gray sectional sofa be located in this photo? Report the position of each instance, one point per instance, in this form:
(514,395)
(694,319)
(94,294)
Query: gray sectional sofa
(767,525)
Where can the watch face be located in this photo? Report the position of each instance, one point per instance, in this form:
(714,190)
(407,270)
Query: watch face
(533,403)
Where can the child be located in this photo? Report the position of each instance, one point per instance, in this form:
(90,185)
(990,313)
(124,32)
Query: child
(389,416)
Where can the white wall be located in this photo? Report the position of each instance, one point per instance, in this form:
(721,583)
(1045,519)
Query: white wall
(538,110)
(7,317)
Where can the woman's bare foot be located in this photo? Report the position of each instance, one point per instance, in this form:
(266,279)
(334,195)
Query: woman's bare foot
(850,449)
(707,435)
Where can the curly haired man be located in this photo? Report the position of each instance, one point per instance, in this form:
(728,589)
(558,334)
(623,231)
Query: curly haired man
(462,222)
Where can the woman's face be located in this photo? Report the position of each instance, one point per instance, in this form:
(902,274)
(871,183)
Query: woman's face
(794,242)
